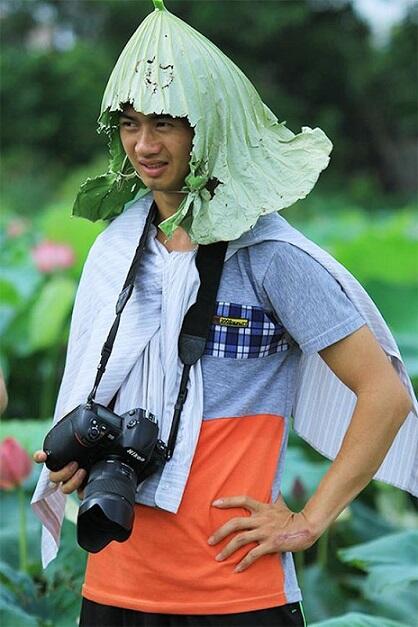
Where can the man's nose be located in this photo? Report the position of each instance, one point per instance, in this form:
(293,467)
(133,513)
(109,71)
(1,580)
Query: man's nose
(147,143)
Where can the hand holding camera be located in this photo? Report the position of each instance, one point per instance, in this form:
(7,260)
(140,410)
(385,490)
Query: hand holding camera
(71,477)
(117,453)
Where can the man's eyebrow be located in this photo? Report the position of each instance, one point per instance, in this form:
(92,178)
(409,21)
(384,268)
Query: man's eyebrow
(151,116)
(158,116)
(125,115)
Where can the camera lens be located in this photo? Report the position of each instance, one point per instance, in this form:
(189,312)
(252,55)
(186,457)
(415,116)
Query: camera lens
(107,511)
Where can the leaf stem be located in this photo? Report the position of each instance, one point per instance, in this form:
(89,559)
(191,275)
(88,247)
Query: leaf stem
(159,5)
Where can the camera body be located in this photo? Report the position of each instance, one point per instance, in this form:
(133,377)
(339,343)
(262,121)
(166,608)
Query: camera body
(83,435)
(118,452)
(91,431)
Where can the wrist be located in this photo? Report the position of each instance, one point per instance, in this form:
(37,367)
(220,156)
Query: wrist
(337,489)
(320,512)
(317,524)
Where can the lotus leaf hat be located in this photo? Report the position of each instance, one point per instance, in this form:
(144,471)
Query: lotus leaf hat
(243,163)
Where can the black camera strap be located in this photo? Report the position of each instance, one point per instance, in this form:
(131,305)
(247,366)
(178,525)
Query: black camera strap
(123,298)
(196,324)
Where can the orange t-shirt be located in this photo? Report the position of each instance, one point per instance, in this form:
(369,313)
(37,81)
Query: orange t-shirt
(167,565)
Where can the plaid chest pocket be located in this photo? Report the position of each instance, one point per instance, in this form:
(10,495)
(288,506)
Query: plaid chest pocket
(243,332)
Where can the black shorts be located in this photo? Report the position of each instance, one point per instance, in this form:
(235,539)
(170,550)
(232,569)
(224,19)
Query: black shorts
(97,615)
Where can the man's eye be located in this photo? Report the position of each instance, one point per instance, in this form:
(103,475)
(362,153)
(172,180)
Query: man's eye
(126,123)
(164,124)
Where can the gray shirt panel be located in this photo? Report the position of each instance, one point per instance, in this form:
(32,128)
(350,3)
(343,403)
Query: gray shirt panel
(302,296)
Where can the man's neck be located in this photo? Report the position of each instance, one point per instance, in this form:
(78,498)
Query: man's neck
(167,203)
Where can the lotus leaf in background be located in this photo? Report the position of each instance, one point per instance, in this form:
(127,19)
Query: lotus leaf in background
(356,619)
(243,164)
(48,316)
(391,562)
(18,592)
(382,254)
(46,598)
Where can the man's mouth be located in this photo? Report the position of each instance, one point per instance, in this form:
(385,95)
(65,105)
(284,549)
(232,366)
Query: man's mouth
(153,169)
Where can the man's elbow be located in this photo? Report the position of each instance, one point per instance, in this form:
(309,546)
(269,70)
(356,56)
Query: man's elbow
(407,404)
(393,398)
(403,403)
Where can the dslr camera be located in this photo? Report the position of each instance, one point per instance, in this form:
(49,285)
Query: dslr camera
(118,452)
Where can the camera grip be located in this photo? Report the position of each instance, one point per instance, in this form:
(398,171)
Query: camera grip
(58,446)
(62,443)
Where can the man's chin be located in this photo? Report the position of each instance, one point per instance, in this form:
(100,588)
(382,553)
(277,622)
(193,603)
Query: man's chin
(155,186)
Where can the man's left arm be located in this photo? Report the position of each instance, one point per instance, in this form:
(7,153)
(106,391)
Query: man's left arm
(381,408)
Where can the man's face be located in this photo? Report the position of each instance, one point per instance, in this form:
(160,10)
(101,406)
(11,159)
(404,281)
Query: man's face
(158,147)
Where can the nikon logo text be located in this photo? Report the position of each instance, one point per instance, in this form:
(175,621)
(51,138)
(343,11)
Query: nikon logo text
(135,454)
(231,322)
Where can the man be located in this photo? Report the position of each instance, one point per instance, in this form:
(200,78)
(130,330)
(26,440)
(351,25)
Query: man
(212,536)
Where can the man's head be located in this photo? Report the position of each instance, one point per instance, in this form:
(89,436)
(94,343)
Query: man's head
(158,148)
(258,164)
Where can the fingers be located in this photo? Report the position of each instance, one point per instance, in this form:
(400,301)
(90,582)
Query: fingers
(239,501)
(237,542)
(64,474)
(70,477)
(293,541)
(39,457)
(273,527)
(250,558)
(235,524)
(75,482)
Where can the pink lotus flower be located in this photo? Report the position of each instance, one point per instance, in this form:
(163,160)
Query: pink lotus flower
(15,464)
(50,256)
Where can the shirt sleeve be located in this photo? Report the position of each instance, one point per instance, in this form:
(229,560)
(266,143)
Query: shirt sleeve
(308,300)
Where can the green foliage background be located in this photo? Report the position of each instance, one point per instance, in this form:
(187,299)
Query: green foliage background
(314,63)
